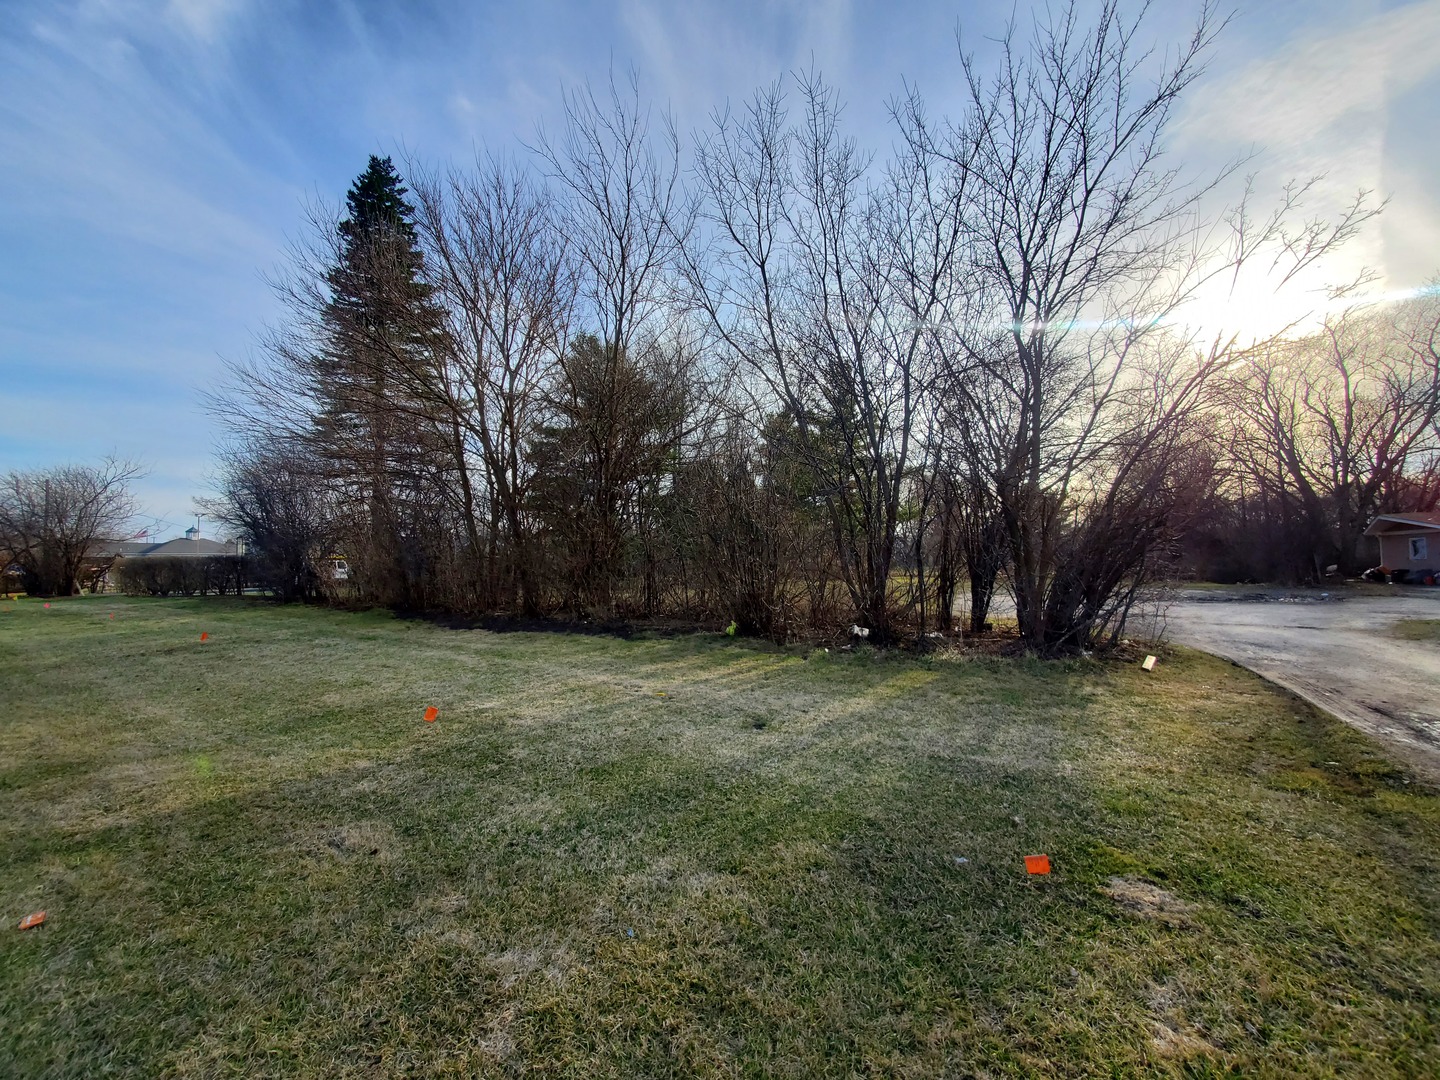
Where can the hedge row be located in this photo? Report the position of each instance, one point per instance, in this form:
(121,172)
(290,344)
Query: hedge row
(181,576)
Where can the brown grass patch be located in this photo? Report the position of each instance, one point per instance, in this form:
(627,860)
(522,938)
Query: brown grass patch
(1148,901)
(1171,1035)
(356,840)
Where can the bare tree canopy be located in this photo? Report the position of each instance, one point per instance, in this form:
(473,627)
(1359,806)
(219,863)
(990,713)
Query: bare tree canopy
(801,385)
(271,495)
(1072,412)
(504,276)
(1328,430)
(53,520)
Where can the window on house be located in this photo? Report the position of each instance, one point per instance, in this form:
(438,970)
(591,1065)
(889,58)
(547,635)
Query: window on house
(1418,549)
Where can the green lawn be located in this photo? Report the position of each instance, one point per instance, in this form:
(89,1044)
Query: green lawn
(685,856)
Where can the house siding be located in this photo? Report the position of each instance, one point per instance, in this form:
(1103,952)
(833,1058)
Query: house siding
(1395,550)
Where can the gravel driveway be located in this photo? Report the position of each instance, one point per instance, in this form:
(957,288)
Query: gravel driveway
(1338,653)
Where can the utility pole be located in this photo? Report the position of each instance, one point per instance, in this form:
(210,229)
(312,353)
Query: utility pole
(47,545)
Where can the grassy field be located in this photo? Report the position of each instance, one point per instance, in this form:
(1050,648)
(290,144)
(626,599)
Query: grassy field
(684,856)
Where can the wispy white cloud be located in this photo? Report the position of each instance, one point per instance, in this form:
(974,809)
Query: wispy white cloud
(113,144)
(1318,83)
(1321,101)
(157,152)
(698,56)
(205,19)
(1410,237)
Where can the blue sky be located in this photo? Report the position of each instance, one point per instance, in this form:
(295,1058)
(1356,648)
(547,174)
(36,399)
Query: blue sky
(155,155)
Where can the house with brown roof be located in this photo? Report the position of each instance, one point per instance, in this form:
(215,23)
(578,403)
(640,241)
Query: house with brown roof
(1409,544)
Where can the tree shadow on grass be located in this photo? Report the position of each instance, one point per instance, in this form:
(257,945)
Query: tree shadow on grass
(399,908)
(660,910)
(624,629)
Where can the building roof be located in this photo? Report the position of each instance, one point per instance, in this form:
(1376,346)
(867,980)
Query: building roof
(124,547)
(1419,519)
(135,549)
(197,546)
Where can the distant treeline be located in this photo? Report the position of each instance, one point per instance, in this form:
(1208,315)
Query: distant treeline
(793,385)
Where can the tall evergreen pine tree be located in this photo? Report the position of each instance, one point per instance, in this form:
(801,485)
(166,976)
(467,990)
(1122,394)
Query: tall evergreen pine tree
(378,357)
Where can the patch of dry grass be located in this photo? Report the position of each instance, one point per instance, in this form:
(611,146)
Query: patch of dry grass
(692,856)
(1417,629)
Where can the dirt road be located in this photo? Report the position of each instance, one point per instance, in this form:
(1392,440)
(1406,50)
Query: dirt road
(1338,653)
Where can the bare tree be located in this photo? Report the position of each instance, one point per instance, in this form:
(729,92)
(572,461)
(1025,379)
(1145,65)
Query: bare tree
(273,496)
(504,278)
(1329,429)
(53,520)
(966,536)
(622,210)
(825,291)
(1081,240)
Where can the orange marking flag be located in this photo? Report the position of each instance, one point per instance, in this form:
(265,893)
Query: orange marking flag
(1037,864)
(431,712)
(32,920)
(204,636)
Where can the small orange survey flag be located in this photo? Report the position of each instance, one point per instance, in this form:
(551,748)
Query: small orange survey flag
(32,920)
(431,712)
(1037,864)
(204,636)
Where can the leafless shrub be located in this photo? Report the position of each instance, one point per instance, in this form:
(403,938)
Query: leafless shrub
(273,498)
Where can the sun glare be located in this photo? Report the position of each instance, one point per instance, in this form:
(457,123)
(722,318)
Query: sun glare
(1254,309)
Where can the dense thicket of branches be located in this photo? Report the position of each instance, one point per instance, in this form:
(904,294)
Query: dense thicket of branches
(275,498)
(182,575)
(797,386)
